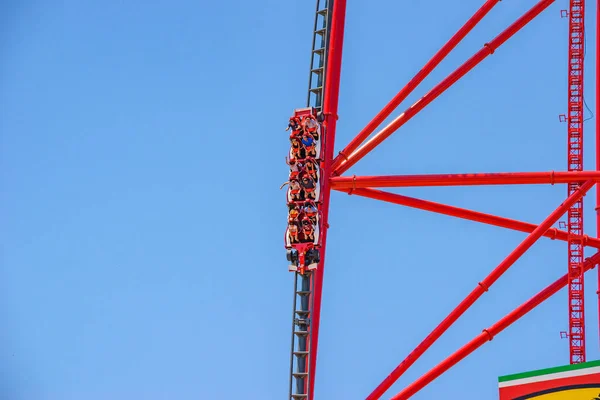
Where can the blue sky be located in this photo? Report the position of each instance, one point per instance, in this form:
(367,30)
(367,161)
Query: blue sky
(142,149)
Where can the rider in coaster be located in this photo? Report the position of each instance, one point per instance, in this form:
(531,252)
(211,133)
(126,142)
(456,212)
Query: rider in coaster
(310,168)
(293,232)
(308,142)
(297,150)
(308,230)
(294,167)
(309,187)
(295,190)
(294,124)
(310,210)
(310,126)
(293,213)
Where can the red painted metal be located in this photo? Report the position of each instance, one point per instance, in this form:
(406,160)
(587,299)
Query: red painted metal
(415,81)
(502,178)
(552,233)
(489,333)
(578,181)
(488,49)
(483,286)
(330,111)
(598,140)
(575,163)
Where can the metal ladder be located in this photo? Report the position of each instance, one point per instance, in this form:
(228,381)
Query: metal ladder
(304,282)
(318,58)
(301,335)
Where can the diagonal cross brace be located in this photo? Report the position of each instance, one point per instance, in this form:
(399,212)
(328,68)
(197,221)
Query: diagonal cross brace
(489,333)
(481,288)
(416,80)
(463,213)
(345,162)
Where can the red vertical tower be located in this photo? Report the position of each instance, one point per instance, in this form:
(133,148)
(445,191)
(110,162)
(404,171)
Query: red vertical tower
(575,163)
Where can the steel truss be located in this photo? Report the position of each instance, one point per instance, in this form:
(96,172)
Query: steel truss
(578,181)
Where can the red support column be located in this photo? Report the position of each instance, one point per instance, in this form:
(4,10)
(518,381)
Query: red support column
(598,139)
(415,81)
(498,178)
(575,163)
(488,49)
(552,233)
(330,110)
(483,286)
(488,334)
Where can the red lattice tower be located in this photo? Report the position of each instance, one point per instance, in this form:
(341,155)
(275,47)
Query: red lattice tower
(575,163)
(323,102)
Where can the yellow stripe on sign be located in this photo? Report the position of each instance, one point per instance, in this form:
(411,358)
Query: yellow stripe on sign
(570,394)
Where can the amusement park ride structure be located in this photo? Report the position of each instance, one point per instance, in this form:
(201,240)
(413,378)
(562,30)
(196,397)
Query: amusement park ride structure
(313,138)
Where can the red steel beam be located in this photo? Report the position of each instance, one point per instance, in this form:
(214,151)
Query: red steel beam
(598,138)
(415,81)
(330,111)
(500,178)
(487,49)
(479,290)
(552,233)
(488,334)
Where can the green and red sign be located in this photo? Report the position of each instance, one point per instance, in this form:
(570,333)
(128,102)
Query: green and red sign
(571,382)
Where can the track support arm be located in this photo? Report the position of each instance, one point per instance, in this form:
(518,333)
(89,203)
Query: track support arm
(499,178)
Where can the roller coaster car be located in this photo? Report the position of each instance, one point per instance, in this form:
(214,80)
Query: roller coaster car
(309,122)
(305,232)
(303,112)
(303,190)
(304,146)
(311,168)
(303,193)
(303,257)
(308,166)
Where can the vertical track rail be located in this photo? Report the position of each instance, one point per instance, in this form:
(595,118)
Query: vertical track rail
(331,95)
(301,336)
(318,57)
(575,163)
(304,282)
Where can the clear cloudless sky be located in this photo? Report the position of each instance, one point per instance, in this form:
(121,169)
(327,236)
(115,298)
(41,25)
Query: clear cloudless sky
(142,148)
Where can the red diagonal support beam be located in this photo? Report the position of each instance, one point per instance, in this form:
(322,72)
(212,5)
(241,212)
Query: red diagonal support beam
(464,213)
(483,286)
(489,333)
(500,178)
(416,80)
(488,49)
